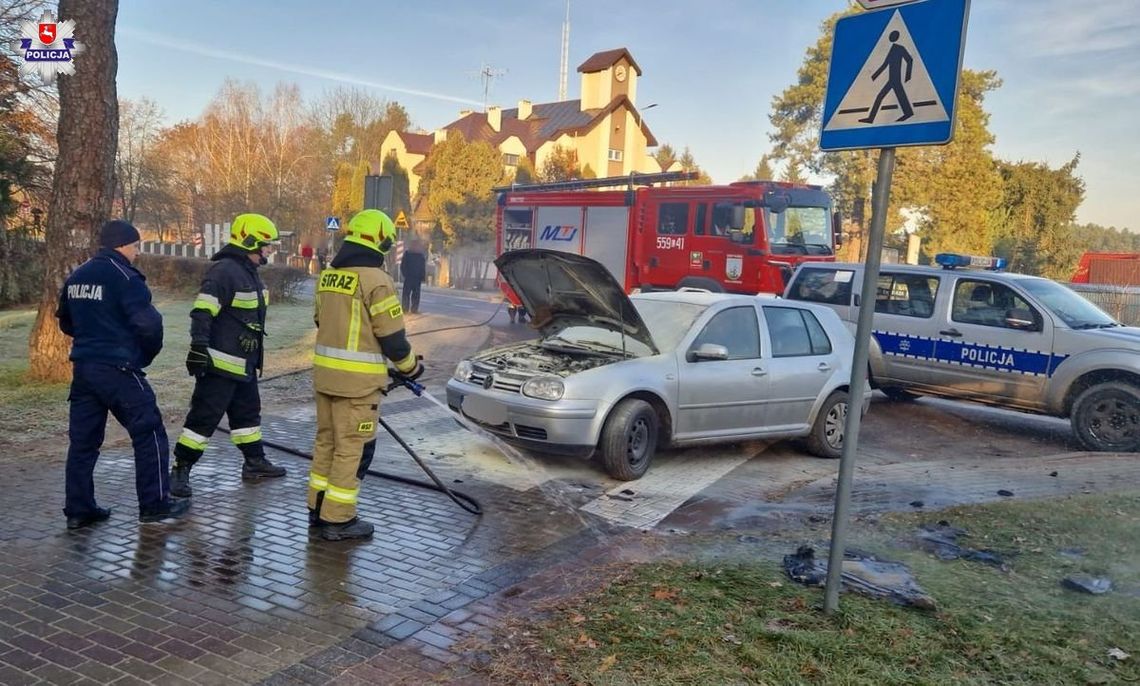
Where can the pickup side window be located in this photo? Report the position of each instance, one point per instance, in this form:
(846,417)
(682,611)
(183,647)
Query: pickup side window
(736,329)
(911,295)
(795,333)
(673,218)
(827,286)
(987,303)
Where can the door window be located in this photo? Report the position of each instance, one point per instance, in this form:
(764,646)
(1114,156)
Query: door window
(673,218)
(736,329)
(986,303)
(795,332)
(827,286)
(911,295)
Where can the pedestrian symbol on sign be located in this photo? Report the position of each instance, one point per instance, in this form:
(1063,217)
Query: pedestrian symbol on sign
(332,224)
(893,79)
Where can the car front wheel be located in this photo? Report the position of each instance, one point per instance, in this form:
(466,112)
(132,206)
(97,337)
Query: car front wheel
(1106,417)
(826,437)
(629,439)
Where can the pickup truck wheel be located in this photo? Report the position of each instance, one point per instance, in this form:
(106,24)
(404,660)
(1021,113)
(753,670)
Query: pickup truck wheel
(1106,417)
(899,395)
(629,439)
(826,437)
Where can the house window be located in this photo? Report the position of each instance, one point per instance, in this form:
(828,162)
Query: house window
(615,155)
(510,160)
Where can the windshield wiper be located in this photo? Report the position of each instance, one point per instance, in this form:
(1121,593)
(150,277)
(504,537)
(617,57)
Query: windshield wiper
(1094,325)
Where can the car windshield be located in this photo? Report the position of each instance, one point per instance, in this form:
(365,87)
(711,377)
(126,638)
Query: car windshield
(803,230)
(1071,307)
(667,323)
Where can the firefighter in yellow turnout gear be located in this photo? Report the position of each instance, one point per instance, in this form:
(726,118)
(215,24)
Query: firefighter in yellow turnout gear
(360,335)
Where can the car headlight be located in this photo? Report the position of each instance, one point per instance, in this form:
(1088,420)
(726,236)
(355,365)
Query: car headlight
(463,371)
(544,388)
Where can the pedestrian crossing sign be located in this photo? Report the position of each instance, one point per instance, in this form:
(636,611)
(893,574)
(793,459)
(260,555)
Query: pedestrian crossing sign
(894,76)
(332,224)
(401,220)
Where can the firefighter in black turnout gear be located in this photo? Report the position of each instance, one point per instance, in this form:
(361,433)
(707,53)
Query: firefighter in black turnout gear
(226,354)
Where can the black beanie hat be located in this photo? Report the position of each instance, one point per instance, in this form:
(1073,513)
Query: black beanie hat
(117,233)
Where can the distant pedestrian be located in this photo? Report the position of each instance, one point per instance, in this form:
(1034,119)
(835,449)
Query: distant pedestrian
(307,257)
(413,270)
(105,307)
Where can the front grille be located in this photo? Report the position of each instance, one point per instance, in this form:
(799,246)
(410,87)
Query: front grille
(532,432)
(500,381)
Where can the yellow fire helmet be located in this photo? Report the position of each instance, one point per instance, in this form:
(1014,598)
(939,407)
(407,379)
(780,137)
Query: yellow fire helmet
(252,231)
(373,229)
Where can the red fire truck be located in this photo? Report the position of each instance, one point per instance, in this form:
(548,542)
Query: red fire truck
(745,237)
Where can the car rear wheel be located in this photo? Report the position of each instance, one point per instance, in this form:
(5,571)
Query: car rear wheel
(1106,417)
(899,395)
(826,437)
(629,439)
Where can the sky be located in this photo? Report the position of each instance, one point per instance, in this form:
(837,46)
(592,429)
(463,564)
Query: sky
(1070,70)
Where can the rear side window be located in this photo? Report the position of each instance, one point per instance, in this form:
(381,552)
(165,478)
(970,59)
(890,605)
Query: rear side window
(911,295)
(795,332)
(827,286)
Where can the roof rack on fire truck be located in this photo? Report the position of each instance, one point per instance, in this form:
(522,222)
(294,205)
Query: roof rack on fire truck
(629,181)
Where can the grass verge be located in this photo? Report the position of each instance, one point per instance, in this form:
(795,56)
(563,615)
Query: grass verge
(34,416)
(679,623)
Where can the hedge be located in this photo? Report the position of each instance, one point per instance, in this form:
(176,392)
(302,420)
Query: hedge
(184,275)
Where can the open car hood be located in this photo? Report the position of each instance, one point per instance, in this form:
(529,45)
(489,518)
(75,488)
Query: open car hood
(561,290)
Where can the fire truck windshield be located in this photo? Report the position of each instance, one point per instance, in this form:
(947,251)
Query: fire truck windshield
(800,231)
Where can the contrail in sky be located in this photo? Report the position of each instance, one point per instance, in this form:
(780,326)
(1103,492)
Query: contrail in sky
(207,51)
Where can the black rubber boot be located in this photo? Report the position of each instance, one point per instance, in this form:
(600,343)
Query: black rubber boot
(258,467)
(315,512)
(180,480)
(354,529)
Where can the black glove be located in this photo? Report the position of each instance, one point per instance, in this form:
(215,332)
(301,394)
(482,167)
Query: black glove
(197,360)
(249,342)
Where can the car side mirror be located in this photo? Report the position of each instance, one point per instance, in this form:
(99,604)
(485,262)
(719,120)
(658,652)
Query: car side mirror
(708,351)
(1022,320)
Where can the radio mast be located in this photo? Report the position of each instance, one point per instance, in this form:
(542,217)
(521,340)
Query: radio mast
(564,73)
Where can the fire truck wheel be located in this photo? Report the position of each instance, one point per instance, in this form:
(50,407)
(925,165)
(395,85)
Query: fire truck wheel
(702,283)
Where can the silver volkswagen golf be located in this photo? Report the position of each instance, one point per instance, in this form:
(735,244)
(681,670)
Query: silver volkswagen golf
(623,376)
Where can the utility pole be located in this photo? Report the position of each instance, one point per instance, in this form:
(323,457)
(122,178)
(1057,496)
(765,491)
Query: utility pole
(564,72)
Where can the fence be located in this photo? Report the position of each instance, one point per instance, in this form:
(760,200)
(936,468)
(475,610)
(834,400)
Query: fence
(1122,302)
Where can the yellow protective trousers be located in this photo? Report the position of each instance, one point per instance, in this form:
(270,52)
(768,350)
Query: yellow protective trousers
(344,425)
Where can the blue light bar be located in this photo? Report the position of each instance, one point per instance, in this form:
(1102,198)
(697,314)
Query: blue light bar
(949,260)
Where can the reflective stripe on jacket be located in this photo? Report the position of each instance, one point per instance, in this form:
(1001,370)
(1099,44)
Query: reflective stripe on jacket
(228,315)
(360,325)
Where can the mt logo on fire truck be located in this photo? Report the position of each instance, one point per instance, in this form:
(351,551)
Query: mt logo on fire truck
(559,233)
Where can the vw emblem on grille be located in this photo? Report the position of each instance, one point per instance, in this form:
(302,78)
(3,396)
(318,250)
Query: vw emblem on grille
(488,381)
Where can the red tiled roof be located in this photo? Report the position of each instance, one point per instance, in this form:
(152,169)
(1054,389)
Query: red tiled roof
(600,60)
(417,143)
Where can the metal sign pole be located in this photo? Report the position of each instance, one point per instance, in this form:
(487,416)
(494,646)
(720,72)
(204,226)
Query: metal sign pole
(879,203)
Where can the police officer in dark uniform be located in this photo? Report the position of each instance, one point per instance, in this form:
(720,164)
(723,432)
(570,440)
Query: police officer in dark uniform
(105,307)
(227,325)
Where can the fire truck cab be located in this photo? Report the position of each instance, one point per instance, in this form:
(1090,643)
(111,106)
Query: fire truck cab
(745,237)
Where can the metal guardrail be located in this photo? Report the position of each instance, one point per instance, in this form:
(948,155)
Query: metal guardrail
(1121,302)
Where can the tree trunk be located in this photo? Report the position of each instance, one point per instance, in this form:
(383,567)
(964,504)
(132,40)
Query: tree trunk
(83,182)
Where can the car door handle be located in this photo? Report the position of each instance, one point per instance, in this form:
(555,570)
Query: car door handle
(759,371)
(823,367)
(953,333)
